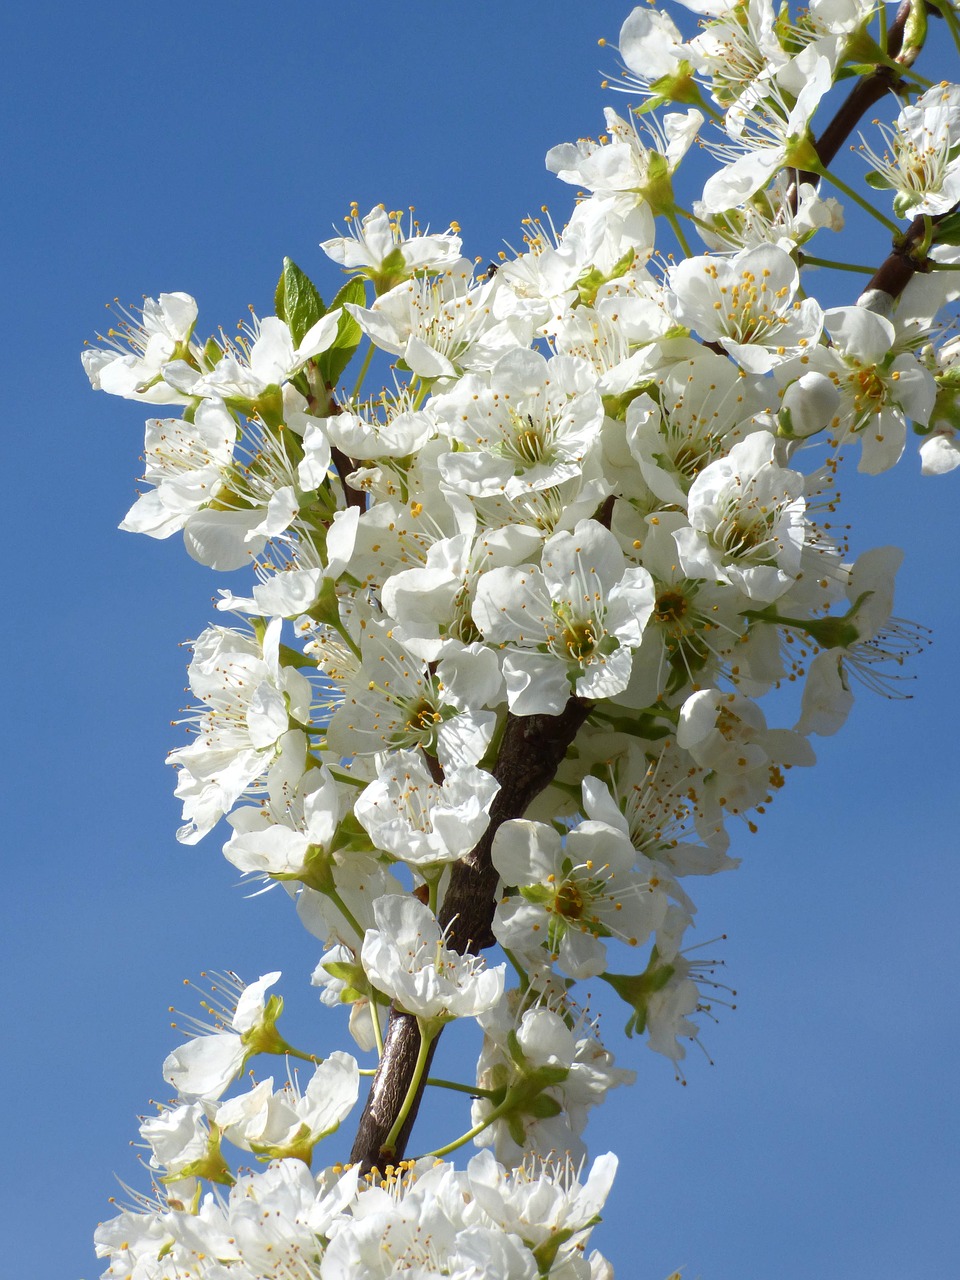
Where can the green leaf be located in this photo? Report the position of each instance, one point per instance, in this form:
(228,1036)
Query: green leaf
(278,298)
(947,230)
(877,180)
(301,304)
(335,359)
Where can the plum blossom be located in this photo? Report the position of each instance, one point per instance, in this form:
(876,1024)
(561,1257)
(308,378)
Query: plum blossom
(921,162)
(575,622)
(747,521)
(573,892)
(748,305)
(132,364)
(406,958)
(376,247)
(246,1025)
(420,820)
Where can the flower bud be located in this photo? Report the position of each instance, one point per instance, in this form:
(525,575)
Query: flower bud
(809,405)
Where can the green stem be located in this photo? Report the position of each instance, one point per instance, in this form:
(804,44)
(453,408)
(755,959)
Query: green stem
(473,1090)
(304,1057)
(351,781)
(464,1138)
(414,1088)
(808,260)
(521,972)
(377,1031)
(864,204)
(677,231)
(345,911)
(363,371)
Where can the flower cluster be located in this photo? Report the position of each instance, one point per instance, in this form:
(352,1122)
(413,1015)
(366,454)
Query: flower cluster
(594,515)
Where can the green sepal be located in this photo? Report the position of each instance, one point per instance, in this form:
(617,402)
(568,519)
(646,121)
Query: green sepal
(297,301)
(352,975)
(592,281)
(876,180)
(676,86)
(637,988)
(393,271)
(326,608)
(211,1165)
(351,835)
(290,657)
(300,1147)
(335,359)
(212,353)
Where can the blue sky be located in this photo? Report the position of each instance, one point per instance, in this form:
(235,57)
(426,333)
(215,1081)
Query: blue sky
(190,147)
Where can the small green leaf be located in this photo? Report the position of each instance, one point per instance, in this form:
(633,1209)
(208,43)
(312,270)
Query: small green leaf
(302,304)
(336,358)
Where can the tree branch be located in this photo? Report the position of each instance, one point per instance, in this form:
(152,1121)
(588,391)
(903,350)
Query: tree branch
(530,754)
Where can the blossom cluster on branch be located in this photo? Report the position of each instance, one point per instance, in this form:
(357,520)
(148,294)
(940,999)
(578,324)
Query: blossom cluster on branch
(500,677)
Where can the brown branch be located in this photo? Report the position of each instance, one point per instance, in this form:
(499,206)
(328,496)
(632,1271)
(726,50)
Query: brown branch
(344,466)
(530,753)
(906,258)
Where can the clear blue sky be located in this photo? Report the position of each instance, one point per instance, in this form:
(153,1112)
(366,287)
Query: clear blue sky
(190,147)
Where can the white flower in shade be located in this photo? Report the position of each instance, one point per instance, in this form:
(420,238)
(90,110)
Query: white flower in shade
(748,305)
(248,702)
(865,644)
(378,248)
(670,990)
(420,820)
(131,366)
(747,521)
(726,734)
(359,880)
(782,214)
(737,50)
(653,802)
(576,622)
(341,980)
(573,893)
(187,463)
(939,453)
(703,407)
(921,160)
(260,846)
(290,1123)
(405,957)
(544,1079)
(879,387)
(246,1025)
